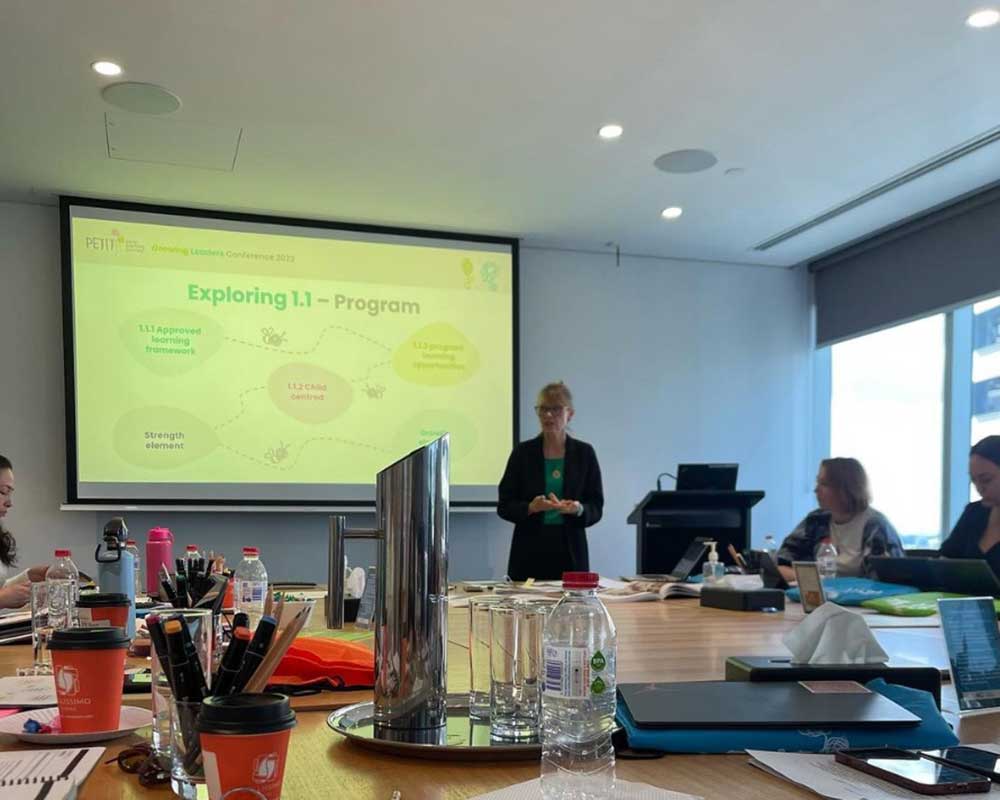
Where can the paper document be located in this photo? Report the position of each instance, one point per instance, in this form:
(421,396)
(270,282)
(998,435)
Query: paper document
(57,773)
(33,691)
(820,773)
(624,790)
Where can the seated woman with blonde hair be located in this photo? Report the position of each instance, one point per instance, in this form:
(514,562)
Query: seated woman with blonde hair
(844,518)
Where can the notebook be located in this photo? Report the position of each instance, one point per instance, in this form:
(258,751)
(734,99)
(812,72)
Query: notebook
(45,774)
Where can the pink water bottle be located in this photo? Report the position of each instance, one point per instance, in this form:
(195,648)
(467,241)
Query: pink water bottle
(159,550)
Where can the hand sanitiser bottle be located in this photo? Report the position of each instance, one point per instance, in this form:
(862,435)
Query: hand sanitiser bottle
(578,702)
(712,569)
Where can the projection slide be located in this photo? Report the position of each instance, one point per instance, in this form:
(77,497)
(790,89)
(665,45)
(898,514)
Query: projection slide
(234,361)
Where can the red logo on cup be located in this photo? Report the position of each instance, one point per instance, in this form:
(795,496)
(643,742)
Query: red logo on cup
(265,768)
(68,680)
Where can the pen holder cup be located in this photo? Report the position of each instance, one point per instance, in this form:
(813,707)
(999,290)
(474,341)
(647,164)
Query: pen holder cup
(187,772)
(200,625)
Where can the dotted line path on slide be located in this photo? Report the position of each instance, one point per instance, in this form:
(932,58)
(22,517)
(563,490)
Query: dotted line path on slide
(315,347)
(306,443)
(243,407)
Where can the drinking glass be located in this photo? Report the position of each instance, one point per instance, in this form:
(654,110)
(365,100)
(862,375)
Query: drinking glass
(515,670)
(479,655)
(40,629)
(199,623)
(187,771)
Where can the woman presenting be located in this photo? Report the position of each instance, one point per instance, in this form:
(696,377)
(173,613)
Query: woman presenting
(551,490)
(977,532)
(16,591)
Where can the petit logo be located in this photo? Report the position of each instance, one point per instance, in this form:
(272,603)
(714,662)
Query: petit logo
(265,768)
(68,681)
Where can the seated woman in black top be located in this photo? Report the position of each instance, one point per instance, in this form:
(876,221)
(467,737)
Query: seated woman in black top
(551,490)
(977,532)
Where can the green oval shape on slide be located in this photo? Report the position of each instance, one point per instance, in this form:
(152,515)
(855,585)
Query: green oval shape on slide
(438,354)
(170,341)
(161,437)
(428,425)
(309,393)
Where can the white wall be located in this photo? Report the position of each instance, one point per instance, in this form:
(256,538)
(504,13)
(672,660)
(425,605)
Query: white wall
(667,361)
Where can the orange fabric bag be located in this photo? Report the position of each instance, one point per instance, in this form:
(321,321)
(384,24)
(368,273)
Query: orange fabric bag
(317,663)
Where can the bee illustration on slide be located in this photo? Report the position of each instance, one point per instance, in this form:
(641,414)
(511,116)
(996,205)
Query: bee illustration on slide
(277,454)
(272,338)
(374,391)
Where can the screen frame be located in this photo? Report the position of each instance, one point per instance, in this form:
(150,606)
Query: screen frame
(66,202)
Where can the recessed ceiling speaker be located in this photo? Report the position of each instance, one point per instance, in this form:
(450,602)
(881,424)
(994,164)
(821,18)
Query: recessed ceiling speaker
(141,98)
(682,161)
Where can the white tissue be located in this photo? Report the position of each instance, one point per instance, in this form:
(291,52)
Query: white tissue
(355,585)
(834,635)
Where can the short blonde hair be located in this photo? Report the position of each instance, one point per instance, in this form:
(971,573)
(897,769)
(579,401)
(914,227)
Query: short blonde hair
(556,391)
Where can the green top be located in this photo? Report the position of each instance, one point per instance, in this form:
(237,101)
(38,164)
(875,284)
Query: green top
(554,484)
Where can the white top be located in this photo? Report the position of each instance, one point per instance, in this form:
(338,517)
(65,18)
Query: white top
(20,577)
(847,539)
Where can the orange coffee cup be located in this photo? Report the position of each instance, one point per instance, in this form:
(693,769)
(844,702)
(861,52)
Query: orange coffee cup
(244,742)
(89,669)
(103,610)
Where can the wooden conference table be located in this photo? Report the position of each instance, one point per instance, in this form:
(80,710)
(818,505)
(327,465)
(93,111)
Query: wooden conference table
(673,640)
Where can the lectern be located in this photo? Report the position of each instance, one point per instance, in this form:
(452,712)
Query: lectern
(667,522)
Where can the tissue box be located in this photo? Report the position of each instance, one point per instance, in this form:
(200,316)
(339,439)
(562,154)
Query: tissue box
(742,600)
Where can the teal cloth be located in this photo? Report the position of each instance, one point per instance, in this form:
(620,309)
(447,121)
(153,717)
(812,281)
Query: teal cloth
(932,732)
(855,591)
(554,470)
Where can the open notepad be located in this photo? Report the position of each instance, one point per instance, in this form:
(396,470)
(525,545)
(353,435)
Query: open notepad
(45,774)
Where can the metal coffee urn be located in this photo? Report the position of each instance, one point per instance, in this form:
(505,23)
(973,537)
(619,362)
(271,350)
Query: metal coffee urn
(411,614)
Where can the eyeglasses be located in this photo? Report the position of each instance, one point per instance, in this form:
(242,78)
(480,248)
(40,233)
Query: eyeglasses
(549,410)
(142,761)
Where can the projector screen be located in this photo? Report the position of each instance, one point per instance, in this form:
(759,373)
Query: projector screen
(231,359)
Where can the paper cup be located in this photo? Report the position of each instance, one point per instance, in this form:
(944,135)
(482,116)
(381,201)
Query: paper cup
(88,665)
(244,742)
(103,610)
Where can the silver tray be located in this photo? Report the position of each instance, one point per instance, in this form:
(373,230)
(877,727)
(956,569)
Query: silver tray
(463,739)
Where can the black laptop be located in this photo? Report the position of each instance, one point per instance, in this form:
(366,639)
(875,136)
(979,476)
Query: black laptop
(971,576)
(720,704)
(682,570)
(707,477)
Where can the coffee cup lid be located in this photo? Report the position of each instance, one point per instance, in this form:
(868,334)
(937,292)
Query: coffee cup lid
(101,600)
(89,639)
(245,714)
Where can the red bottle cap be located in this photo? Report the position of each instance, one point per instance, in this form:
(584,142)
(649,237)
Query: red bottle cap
(63,553)
(191,548)
(251,551)
(130,543)
(580,580)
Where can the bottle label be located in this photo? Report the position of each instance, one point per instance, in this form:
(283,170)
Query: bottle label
(569,672)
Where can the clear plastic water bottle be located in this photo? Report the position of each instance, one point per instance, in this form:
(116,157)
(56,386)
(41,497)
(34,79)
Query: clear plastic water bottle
(250,585)
(578,702)
(826,560)
(771,547)
(62,585)
(133,548)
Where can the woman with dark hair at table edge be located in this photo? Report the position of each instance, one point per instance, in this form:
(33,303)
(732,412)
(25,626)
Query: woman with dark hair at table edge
(977,532)
(15,591)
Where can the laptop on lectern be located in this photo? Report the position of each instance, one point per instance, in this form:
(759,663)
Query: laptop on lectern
(710,477)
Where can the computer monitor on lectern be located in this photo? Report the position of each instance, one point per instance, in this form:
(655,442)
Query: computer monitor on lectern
(711,477)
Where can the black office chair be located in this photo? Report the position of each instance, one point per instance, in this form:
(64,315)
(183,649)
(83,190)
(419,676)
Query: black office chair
(922,553)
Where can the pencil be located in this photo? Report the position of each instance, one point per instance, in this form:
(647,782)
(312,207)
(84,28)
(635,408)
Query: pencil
(268,603)
(265,670)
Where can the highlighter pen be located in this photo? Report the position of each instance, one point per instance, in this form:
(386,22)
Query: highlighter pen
(181,566)
(170,594)
(182,591)
(154,624)
(231,662)
(241,620)
(255,652)
(184,676)
(192,657)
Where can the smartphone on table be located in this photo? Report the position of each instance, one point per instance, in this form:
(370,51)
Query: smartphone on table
(913,771)
(982,762)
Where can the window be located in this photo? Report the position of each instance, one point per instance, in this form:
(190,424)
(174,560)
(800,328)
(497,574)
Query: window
(985,373)
(887,410)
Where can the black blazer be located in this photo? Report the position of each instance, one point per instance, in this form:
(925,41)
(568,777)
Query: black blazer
(963,541)
(546,551)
